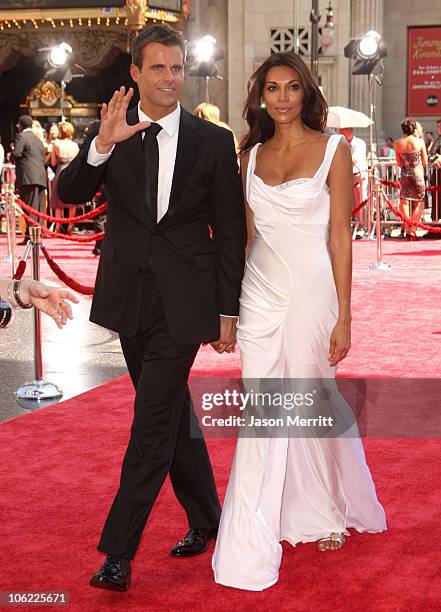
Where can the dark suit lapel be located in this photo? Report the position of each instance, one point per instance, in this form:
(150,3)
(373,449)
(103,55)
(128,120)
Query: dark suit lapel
(186,155)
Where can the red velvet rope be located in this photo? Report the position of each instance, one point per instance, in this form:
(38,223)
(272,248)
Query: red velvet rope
(396,184)
(47,232)
(20,270)
(67,280)
(360,206)
(90,215)
(403,217)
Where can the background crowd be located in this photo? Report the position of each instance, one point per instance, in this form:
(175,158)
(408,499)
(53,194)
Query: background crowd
(41,153)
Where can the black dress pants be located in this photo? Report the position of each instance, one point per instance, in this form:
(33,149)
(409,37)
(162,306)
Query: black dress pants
(160,441)
(33,195)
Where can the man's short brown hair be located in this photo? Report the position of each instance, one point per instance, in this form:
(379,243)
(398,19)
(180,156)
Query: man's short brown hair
(163,34)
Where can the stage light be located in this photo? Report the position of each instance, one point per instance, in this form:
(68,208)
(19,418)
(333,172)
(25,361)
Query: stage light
(205,49)
(368,45)
(367,51)
(203,57)
(59,55)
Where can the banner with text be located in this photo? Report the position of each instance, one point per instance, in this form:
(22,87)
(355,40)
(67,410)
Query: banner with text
(424,71)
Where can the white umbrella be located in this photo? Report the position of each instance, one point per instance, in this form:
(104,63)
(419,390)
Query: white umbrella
(341,117)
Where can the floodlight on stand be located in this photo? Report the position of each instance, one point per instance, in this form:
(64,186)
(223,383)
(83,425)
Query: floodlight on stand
(367,51)
(205,49)
(59,55)
(203,57)
(60,59)
(368,45)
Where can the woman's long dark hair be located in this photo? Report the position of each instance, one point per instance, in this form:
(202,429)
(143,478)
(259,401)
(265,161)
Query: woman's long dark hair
(261,126)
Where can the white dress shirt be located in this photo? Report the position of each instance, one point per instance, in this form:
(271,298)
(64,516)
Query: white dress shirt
(167,144)
(358,148)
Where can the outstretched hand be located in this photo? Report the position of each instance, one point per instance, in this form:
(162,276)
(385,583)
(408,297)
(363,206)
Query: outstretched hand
(114,127)
(49,300)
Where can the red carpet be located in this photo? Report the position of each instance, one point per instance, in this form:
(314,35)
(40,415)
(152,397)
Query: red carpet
(59,469)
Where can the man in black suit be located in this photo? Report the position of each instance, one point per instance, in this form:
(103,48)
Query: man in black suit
(28,155)
(163,283)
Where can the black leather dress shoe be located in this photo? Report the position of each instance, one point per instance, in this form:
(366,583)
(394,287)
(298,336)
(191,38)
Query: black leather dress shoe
(114,575)
(195,542)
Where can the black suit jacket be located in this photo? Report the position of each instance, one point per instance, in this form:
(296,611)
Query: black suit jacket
(28,155)
(199,276)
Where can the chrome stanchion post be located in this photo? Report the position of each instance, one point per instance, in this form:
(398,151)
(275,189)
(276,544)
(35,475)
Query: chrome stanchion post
(38,389)
(369,204)
(10,225)
(379,265)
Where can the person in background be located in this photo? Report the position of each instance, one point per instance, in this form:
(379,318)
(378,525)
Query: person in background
(435,177)
(411,155)
(419,132)
(27,293)
(359,169)
(64,150)
(388,148)
(52,136)
(28,155)
(39,131)
(211,112)
(429,140)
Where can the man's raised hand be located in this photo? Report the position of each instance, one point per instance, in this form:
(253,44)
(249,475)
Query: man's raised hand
(114,127)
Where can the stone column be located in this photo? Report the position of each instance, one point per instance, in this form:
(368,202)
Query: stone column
(366,15)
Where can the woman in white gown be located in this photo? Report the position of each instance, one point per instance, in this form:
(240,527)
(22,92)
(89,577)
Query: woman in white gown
(294,324)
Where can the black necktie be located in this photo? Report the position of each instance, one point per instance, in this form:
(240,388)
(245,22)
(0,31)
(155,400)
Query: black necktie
(151,156)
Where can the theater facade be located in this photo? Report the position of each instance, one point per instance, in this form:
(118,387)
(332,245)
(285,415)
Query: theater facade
(99,33)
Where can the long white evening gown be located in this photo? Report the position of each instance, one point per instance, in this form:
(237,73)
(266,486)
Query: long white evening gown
(294,489)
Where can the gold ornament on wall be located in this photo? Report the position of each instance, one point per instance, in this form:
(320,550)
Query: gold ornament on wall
(48,92)
(136,10)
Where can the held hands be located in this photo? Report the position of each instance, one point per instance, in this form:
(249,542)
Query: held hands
(114,127)
(340,342)
(49,300)
(227,340)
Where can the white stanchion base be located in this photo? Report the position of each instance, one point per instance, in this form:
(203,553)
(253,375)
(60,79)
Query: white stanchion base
(37,391)
(379,266)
